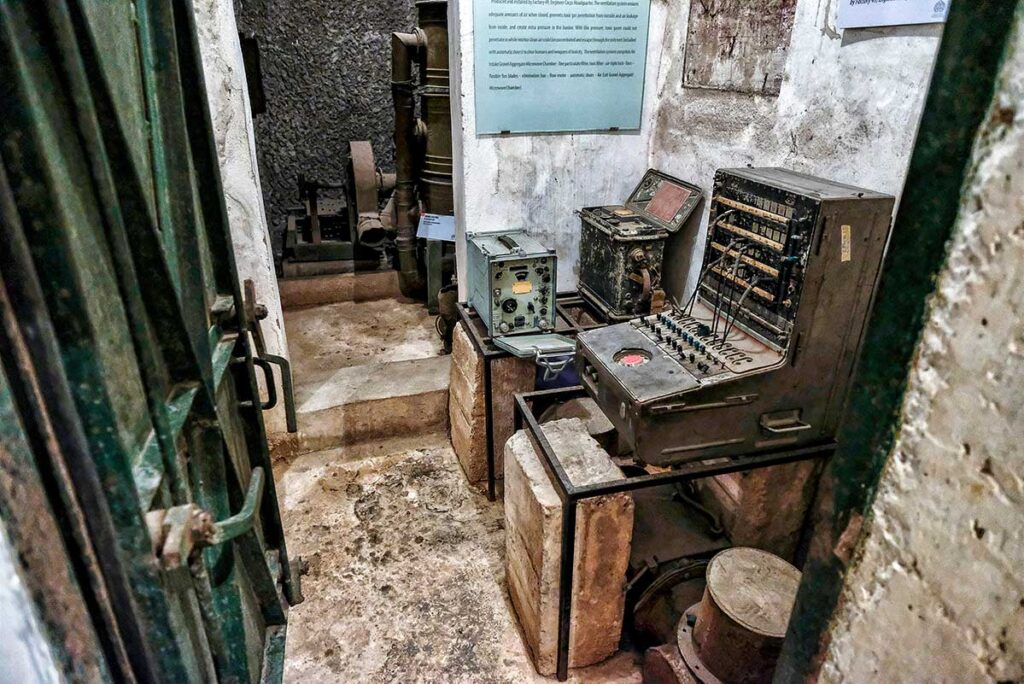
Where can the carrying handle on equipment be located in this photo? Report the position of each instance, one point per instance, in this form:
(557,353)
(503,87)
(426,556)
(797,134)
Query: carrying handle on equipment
(509,242)
(552,368)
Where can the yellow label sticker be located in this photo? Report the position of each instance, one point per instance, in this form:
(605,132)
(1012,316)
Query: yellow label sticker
(522,287)
(847,243)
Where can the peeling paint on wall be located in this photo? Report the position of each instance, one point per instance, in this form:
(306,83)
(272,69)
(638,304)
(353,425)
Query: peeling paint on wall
(738,46)
(847,110)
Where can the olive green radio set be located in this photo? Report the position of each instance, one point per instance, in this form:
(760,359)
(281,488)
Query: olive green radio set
(512,282)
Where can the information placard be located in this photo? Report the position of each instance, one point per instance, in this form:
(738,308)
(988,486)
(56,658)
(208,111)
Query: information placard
(559,65)
(437,227)
(868,13)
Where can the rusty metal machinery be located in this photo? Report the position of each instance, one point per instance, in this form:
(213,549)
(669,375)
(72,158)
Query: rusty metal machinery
(623,247)
(761,355)
(339,227)
(738,628)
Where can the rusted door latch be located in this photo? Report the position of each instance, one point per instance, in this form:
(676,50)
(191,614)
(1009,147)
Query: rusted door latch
(179,532)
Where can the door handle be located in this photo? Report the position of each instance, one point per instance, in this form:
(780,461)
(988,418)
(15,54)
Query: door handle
(289,390)
(243,521)
(268,375)
(784,423)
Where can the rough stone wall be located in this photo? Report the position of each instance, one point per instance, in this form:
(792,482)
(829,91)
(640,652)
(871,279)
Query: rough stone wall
(327,78)
(240,175)
(937,593)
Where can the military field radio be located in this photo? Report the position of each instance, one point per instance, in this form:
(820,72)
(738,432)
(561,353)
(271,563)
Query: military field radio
(627,252)
(512,282)
(761,354)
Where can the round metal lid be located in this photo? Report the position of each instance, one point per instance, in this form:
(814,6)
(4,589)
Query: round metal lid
(755,588)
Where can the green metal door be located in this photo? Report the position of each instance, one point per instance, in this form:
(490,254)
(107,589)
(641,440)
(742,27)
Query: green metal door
(128,395)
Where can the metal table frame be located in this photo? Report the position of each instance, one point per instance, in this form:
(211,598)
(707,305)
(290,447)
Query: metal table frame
(571,495)
(485,347)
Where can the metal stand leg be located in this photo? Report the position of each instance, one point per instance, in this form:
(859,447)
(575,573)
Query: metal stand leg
(488,420)
(571,495)
(568,566)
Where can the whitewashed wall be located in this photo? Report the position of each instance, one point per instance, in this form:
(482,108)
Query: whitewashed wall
(848,110)
(236,150)
(536,182)
(25,654)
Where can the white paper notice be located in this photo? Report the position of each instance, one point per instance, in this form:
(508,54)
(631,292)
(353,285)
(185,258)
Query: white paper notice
(437,227)
(867,13)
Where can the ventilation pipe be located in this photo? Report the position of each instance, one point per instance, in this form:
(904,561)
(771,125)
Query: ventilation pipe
(405,49)
(435,106)
(427,46)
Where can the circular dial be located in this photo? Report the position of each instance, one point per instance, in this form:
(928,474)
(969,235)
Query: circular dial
(509,305)
(631,358)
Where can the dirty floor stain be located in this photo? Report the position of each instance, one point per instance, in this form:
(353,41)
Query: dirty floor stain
(406,579)
(333,336)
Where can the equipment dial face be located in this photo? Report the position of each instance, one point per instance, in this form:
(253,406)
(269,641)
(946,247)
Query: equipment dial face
(630,358)
(509,305)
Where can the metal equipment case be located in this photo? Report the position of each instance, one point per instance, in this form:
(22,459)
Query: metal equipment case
(512,282)
(763,355)
(622,248)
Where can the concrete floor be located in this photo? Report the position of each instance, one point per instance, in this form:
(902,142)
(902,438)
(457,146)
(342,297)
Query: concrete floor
(344,334)
(405,575)
(364,370)
(406,572)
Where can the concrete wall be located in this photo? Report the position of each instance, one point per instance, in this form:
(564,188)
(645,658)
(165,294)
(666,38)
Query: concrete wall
(847,110)
(937,593)
(233,133)
(327,77)
(25,654)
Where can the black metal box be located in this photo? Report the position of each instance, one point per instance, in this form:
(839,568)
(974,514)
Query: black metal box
(622,248)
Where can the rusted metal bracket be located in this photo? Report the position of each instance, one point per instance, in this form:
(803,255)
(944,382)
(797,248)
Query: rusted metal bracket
(177,533)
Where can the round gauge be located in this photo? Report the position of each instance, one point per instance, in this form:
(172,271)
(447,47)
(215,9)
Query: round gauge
(630,358)
(509,305)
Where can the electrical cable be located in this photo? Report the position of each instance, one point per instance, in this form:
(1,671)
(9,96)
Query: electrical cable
(740,253)
(700,279)
(704,273)
(754,281)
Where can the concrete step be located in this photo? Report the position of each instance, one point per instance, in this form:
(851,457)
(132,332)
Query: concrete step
(297,293)
(367,403)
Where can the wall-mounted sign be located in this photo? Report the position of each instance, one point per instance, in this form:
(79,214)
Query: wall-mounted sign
(559,65)
(867,13)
